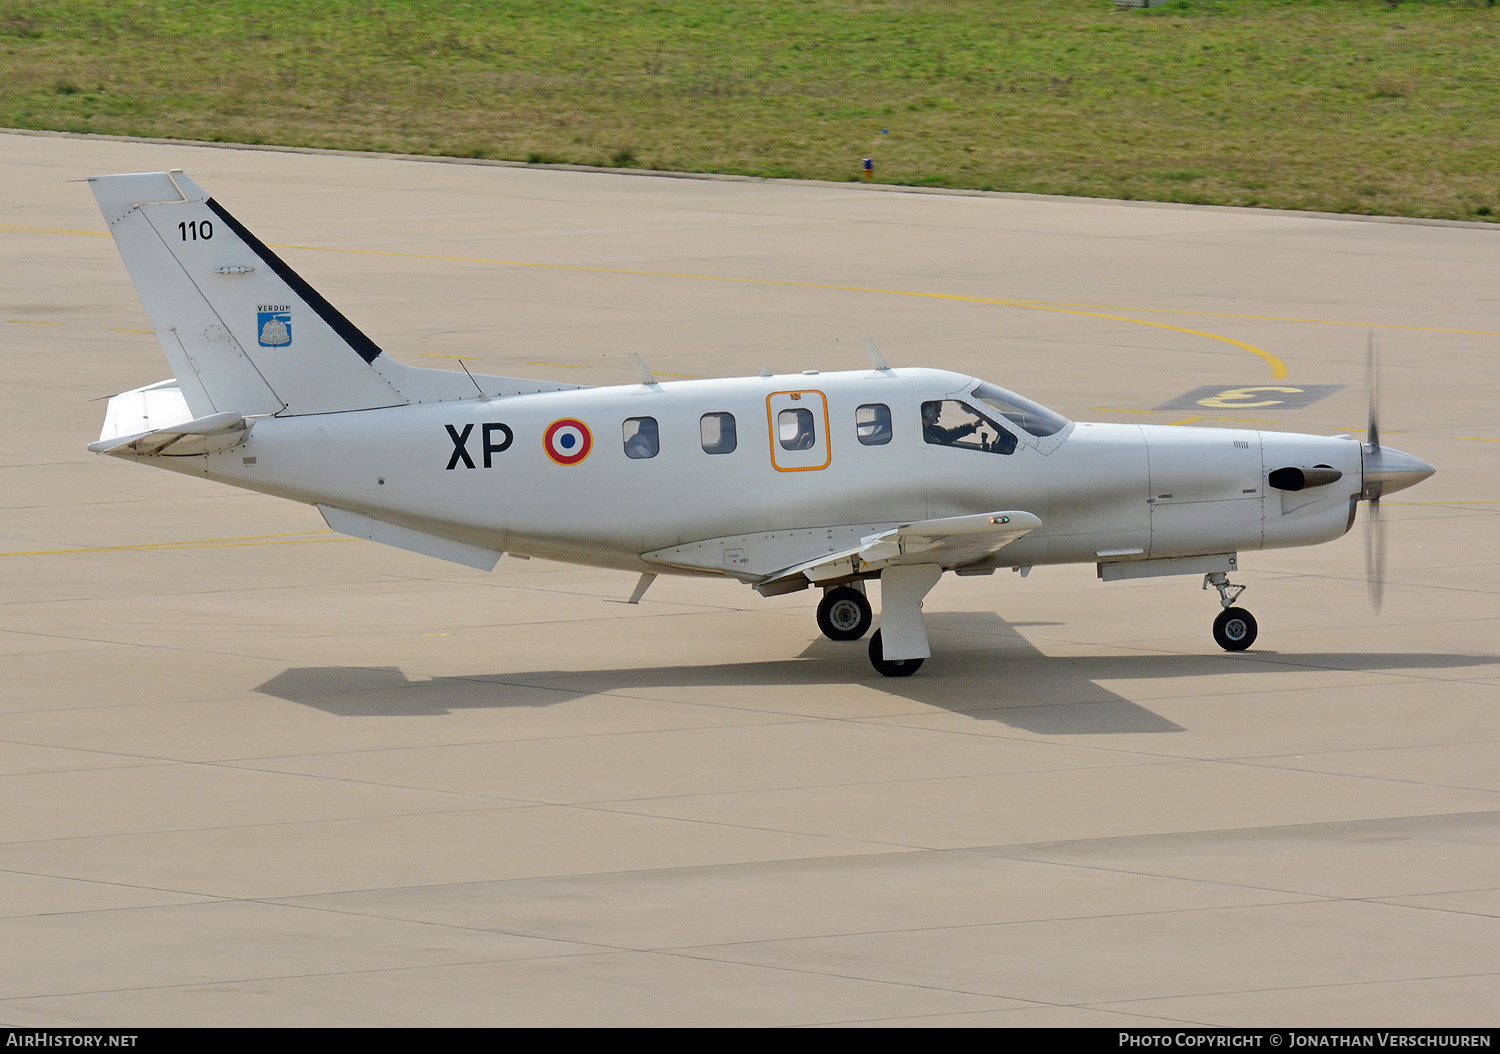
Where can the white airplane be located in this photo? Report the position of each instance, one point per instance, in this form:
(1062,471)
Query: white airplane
(782,482)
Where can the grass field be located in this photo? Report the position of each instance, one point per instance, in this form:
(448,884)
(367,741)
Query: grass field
(1336,105)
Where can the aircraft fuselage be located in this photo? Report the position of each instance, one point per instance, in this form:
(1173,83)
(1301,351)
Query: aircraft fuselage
(480,471)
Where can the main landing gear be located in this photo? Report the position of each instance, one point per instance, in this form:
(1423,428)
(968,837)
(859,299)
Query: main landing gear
(844,614)
(1234,629)
(899,646)
(890,667)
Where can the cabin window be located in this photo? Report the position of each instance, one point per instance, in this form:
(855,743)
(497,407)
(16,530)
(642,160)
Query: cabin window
(949,422)
(872,423)
(794,429)
(718,433)
(642,438)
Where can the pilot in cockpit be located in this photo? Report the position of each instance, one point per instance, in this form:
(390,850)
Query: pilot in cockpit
(933,432)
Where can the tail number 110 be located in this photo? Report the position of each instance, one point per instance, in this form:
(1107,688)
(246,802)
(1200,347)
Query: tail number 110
(192,230)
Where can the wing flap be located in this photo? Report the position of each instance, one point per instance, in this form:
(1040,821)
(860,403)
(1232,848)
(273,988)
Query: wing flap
(950,542)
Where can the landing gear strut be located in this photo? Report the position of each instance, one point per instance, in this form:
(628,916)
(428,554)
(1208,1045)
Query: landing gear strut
(1235,628)
(900,644)
(844,614)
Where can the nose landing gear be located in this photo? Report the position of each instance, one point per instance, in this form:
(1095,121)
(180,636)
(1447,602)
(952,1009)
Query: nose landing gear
(1235,628)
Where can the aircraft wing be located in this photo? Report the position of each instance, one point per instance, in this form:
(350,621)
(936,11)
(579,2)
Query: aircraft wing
(953,541)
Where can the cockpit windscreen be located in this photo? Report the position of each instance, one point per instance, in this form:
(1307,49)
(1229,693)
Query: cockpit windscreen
(1025,414)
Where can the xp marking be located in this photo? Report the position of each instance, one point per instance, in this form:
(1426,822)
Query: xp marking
(495,439)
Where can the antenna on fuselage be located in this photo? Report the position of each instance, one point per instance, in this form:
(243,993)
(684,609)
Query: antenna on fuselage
(647,377)
(471,377)
(876,359)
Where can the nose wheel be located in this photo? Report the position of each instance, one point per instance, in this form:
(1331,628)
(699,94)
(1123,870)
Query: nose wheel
(1235,628)
(844,614)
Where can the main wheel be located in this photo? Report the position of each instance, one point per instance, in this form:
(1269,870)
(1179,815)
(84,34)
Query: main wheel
(1234,629)
(844,614)
(890,667)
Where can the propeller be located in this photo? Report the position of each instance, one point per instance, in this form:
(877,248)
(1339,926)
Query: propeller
(1375,544)
(1384,471)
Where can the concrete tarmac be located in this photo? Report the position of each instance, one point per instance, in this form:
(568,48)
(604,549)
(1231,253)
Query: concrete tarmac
(255,773)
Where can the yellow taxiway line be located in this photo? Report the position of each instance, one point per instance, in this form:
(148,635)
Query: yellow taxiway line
(293,538)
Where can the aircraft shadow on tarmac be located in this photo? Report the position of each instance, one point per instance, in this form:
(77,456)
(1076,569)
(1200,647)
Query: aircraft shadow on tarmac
(1004,678)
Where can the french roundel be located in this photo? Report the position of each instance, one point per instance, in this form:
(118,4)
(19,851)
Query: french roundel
(567,441)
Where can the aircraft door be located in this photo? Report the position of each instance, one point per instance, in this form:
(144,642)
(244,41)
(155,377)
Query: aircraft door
(799,430)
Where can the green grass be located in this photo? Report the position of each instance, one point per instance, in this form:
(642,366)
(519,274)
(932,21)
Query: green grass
(1334,105)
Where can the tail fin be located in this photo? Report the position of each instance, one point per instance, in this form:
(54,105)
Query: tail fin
(242,330)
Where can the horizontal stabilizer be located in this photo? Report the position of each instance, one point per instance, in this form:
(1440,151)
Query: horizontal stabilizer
(156,420)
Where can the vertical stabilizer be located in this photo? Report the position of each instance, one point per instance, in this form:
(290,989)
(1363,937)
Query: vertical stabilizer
(242,330)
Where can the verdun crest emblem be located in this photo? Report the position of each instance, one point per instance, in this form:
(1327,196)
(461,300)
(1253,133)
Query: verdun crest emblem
(274,325)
